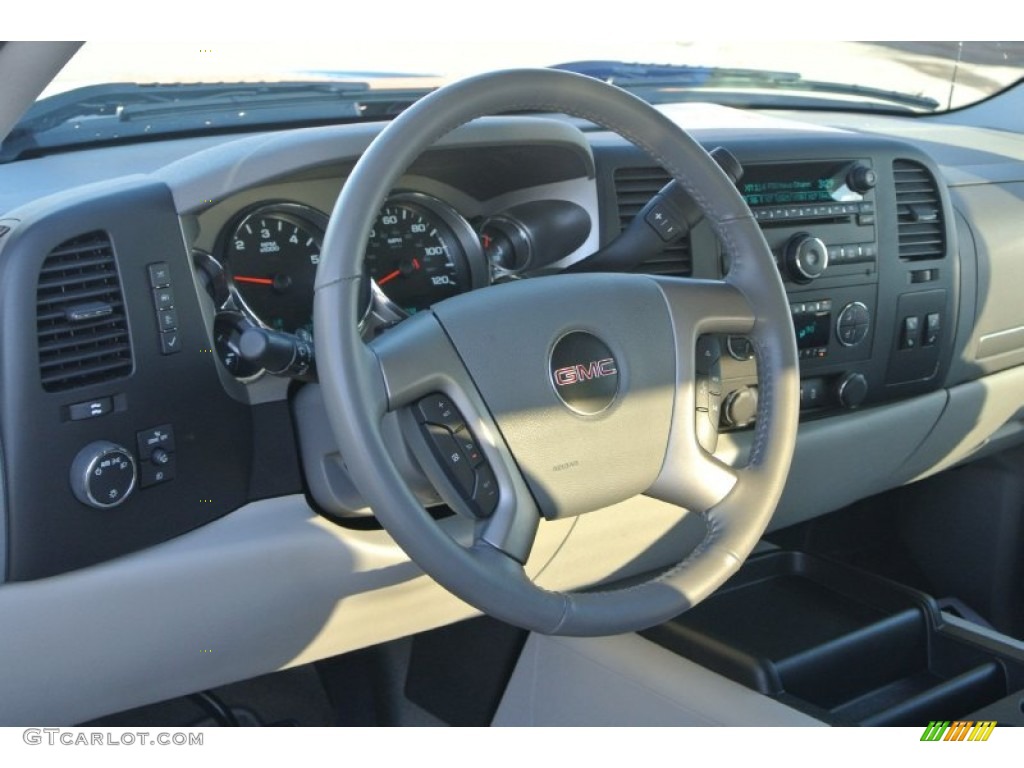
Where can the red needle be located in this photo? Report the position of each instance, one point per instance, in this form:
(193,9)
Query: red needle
(256,280)
(389,277)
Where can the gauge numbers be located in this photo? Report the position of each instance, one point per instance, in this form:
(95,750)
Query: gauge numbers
(271,257)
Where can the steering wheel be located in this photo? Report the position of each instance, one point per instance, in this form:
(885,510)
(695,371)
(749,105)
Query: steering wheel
(577,391)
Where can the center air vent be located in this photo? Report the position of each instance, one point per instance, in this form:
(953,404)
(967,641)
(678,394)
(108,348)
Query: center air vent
(634,187)
(922,232)
(80,317)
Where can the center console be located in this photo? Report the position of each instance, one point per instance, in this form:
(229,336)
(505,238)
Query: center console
(862,231)
(861,242)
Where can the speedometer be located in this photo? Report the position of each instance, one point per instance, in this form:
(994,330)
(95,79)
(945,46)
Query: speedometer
(420,252)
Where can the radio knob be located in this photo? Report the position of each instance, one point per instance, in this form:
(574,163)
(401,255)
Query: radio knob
(861,178)
(851,390)
(740,407)
(806,257)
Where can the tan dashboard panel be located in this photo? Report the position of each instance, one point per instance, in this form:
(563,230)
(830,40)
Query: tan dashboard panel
(997,342)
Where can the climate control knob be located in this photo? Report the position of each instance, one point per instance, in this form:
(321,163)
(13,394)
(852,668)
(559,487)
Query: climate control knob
(103,474)
(851,390)
(806,257)
(740,407)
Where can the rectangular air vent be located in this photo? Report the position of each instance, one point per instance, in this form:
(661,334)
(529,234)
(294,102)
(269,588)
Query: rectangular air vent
(922,231)
(80,316)
(634,187)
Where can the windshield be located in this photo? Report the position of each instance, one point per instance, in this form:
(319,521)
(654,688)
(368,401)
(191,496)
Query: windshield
(117,91)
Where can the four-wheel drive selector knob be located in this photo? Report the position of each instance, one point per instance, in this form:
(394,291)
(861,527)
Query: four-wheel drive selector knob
(103,474)
(805,257)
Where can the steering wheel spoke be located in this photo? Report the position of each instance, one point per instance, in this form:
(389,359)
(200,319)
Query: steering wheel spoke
(449,430)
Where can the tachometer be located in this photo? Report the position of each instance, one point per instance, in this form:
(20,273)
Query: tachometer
(271,257)
(420,252)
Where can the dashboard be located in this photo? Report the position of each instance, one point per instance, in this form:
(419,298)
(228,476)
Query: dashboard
(132,417)
(861,227)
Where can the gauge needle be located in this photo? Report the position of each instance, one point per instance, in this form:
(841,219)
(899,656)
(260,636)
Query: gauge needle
(389,277)
(255,280)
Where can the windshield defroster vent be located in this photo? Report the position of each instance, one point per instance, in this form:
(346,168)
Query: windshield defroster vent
(81,325)
(922,231)
(634,187)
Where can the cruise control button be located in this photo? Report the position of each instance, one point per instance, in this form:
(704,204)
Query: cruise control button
(440,410)
(709,351)
(469,447)
(456,465)
(486,494)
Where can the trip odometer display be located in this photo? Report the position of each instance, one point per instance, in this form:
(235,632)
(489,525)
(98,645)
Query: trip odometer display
(271,257)
(420,252)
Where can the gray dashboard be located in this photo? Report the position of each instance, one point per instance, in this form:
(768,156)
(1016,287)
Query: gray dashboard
(162,203)
(240,514)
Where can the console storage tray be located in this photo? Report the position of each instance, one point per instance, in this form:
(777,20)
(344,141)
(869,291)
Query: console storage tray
(845,646)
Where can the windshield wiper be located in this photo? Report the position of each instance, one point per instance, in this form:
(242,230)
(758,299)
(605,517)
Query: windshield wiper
(123,111)
(661,82)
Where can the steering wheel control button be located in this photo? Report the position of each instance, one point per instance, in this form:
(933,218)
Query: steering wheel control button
(90,410)
(159,274)
(485,496)
(584,373)
(103,474)
(455,463)
(853,324)
(439,410)
(469,447)
(458,452)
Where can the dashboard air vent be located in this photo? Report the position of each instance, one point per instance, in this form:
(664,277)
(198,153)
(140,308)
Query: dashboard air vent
(634,187)
(922,232)
(80,317)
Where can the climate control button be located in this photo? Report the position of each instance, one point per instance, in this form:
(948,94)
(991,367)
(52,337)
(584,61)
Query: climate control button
(853,324)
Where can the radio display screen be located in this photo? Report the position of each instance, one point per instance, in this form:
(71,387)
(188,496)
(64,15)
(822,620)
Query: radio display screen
(797,183)
(812,329)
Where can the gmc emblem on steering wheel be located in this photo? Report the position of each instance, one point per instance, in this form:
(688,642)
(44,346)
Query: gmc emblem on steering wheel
(579,372)
(584,373)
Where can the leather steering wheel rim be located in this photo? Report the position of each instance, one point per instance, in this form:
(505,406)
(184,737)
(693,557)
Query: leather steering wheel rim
(436,350)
